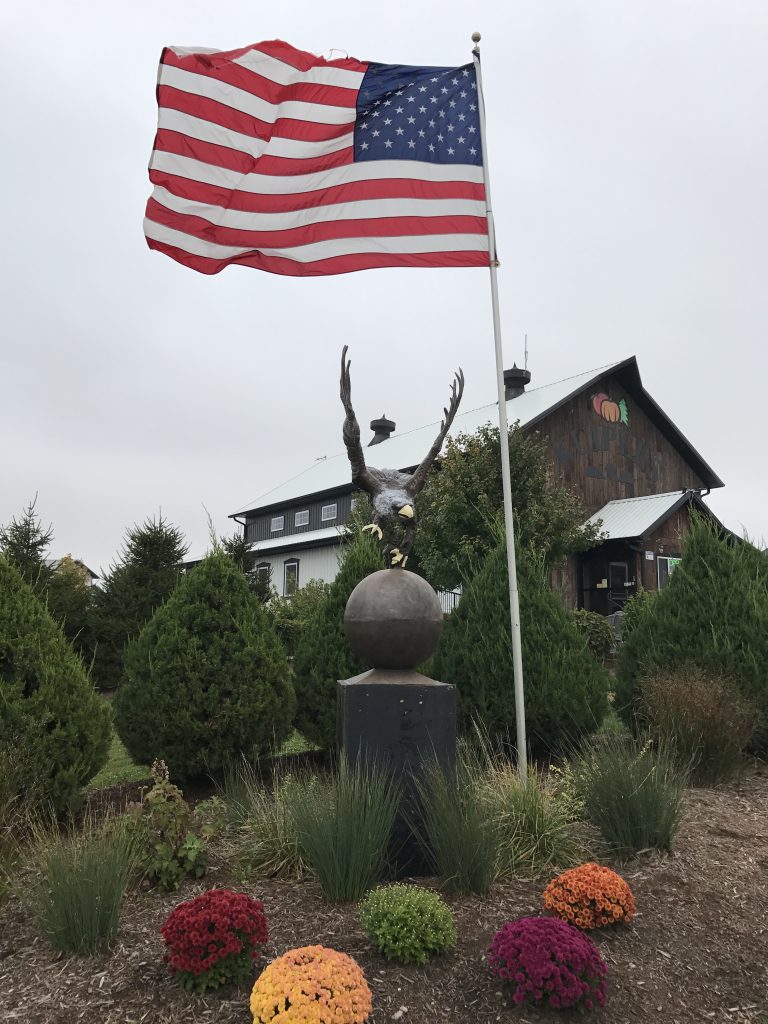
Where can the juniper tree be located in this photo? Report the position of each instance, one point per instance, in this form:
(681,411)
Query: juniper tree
(565,686)
(713,613)
(323,654)
(48,707)
(206,679)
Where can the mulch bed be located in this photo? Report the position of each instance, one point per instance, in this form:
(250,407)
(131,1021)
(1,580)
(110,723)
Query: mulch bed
(698,949)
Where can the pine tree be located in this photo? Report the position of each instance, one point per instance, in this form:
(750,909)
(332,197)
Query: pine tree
(48,707)
(145,574)
(70,599)
(206,679)
(25,543)
(565,686)
(713,614)
(323,654)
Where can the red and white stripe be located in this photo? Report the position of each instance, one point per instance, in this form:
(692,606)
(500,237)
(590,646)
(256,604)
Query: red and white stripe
(253,165)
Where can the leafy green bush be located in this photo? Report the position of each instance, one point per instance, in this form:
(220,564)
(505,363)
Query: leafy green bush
(457,831)
(632,790)
(168,836)
(713,613)
(704,715)
(637,606)
(565,687)
(206,679)
(79,883)
(47,701)
(345,823)
(407,923)
(323,654)
(598,631)
(291,615)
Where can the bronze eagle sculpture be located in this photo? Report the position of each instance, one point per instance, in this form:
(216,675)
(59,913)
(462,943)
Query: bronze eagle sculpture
(392,492)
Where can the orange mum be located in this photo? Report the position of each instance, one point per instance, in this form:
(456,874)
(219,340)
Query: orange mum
(590,896)
(311,985)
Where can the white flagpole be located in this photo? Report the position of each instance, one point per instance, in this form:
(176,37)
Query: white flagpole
(506,476)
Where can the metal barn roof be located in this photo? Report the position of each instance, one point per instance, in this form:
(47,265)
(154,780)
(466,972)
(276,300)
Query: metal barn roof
(407,449)
(636,517)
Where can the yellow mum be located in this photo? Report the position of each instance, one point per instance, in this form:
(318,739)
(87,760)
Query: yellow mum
(311,985)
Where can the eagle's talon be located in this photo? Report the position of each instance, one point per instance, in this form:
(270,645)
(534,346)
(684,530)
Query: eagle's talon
(395,556)
(374,528)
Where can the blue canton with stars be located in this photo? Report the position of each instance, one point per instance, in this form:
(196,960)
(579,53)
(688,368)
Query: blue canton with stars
(428,114)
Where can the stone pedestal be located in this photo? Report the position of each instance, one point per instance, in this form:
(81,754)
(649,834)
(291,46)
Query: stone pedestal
(392,714)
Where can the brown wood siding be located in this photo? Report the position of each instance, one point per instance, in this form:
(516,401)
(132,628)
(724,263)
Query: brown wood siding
(666,540)
(602,461)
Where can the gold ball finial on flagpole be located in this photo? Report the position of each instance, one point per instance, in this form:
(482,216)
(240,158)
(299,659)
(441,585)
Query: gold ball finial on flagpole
(475,37)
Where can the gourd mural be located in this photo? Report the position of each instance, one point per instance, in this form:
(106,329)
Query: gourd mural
(610,411)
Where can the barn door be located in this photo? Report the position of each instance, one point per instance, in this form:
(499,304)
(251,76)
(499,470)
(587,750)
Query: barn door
(620,587)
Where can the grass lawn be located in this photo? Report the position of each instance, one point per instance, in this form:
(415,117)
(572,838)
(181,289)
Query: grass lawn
(121,767)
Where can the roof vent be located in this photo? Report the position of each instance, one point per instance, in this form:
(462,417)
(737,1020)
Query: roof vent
(515,381)
(381,428)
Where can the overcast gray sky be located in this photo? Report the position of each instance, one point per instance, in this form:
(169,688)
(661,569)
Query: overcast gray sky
(629,167)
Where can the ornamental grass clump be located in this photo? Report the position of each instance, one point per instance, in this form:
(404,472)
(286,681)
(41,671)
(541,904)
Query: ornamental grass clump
(632,790)
(458,831)
(79,882)
(549,963)
(706,715)
(214,939)
(590,896)
(311,985)
(407,923)
(344,827)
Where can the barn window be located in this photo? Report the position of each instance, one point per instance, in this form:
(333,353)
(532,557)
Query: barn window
(301,518)
(327,513)
(278,523)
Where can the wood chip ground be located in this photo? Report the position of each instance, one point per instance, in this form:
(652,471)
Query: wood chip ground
(698,950)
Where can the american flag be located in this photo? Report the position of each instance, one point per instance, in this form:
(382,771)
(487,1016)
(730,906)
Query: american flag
(273,158)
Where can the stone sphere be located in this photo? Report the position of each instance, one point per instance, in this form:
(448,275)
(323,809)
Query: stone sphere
(393,619)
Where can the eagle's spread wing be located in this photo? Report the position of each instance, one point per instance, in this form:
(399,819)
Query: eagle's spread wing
(419,477)
(351,432)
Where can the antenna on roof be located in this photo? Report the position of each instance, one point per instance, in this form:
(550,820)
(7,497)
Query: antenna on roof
(526,352)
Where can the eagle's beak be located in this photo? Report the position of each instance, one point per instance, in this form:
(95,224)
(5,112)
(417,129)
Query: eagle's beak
(406,512)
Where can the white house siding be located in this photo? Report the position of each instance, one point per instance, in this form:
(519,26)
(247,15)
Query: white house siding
(321,563)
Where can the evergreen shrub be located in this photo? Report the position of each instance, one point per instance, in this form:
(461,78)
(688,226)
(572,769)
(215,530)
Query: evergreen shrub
(565,686)
(713,613)
(598,631)
(407,923)
(206,679)
(323,654)
(48,705)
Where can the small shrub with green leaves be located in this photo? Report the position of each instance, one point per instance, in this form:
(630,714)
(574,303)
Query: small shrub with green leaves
(632,790)
(598,631)
(168,833)
(78,883)
(407,923)
(705,715)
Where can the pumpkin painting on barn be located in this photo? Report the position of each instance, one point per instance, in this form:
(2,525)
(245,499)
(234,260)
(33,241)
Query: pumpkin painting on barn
(610,411)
